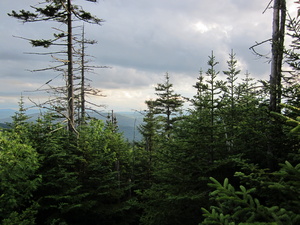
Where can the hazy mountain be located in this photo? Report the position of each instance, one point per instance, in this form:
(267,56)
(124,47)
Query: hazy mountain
(6,113)
(127,122)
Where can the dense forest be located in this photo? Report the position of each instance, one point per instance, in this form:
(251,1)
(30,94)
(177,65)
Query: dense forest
(225,156)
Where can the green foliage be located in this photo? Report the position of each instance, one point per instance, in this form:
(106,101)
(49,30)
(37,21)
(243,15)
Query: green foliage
(173,197)
(291,122)
(49,176)
(105,174)
(287,187)
(26,16)
(96,177)
(168,105)
(291,128)
(277,196)
(240,207)
(26,217)
(214,87)
(200,98)
(43,43)
(19,120)
(291,87)
(208,141)
(18,180)
(58,194)
(54,10)
(150,132)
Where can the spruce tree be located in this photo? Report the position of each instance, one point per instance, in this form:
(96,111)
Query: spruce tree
(264,197)
(168,104)
(150,142)
(187,158)
(291,87)
(199,100)
(214,92)
(231,111)
(19,124)
(19,179)
(105,174)
(59,194)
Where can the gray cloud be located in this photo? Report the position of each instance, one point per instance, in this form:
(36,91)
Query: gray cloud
(141,40)
(163,36)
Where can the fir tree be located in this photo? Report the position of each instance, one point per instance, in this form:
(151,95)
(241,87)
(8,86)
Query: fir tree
(19,120)
(19,163)
(214,91)
(199,100)
(149,130)
(168,104)
(291,87)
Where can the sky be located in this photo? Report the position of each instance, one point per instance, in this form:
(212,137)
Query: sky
(140,41)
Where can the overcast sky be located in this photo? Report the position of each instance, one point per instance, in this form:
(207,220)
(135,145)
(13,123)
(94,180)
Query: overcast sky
(140,40)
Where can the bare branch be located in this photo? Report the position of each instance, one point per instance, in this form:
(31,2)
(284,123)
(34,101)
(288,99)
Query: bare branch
(60,60)
(48,68)
(268,6)
(258,44)
(97,105)
(44,53)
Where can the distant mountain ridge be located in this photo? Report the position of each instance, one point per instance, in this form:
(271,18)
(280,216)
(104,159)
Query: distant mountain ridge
(6,113)
(127,122)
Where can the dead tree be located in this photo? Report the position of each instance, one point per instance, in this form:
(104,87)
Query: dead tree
(62,11)
(84,87)
(277,41)
(278,33)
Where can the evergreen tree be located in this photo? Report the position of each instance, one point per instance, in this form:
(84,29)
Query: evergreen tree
(214,92)
(291,89)
(248,93)
(272,198)
(105,176)
(240,207)
(150,142)
(18,180)
(19,120)
(86,180)
(200,99)
(232,76)
(187,159)
(231,112)
(58,195)
(168,104)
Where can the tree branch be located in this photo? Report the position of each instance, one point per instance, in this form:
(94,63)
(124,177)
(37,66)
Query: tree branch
(258,44)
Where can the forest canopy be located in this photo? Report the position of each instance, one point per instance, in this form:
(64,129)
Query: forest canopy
(225,155)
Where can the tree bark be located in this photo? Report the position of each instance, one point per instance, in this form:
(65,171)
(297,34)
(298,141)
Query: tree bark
(82,80)
(70,85)
(279,17)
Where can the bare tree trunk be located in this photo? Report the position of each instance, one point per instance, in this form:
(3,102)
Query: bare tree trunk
(281,46)
(82,80)
(279,17)
(70,85)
